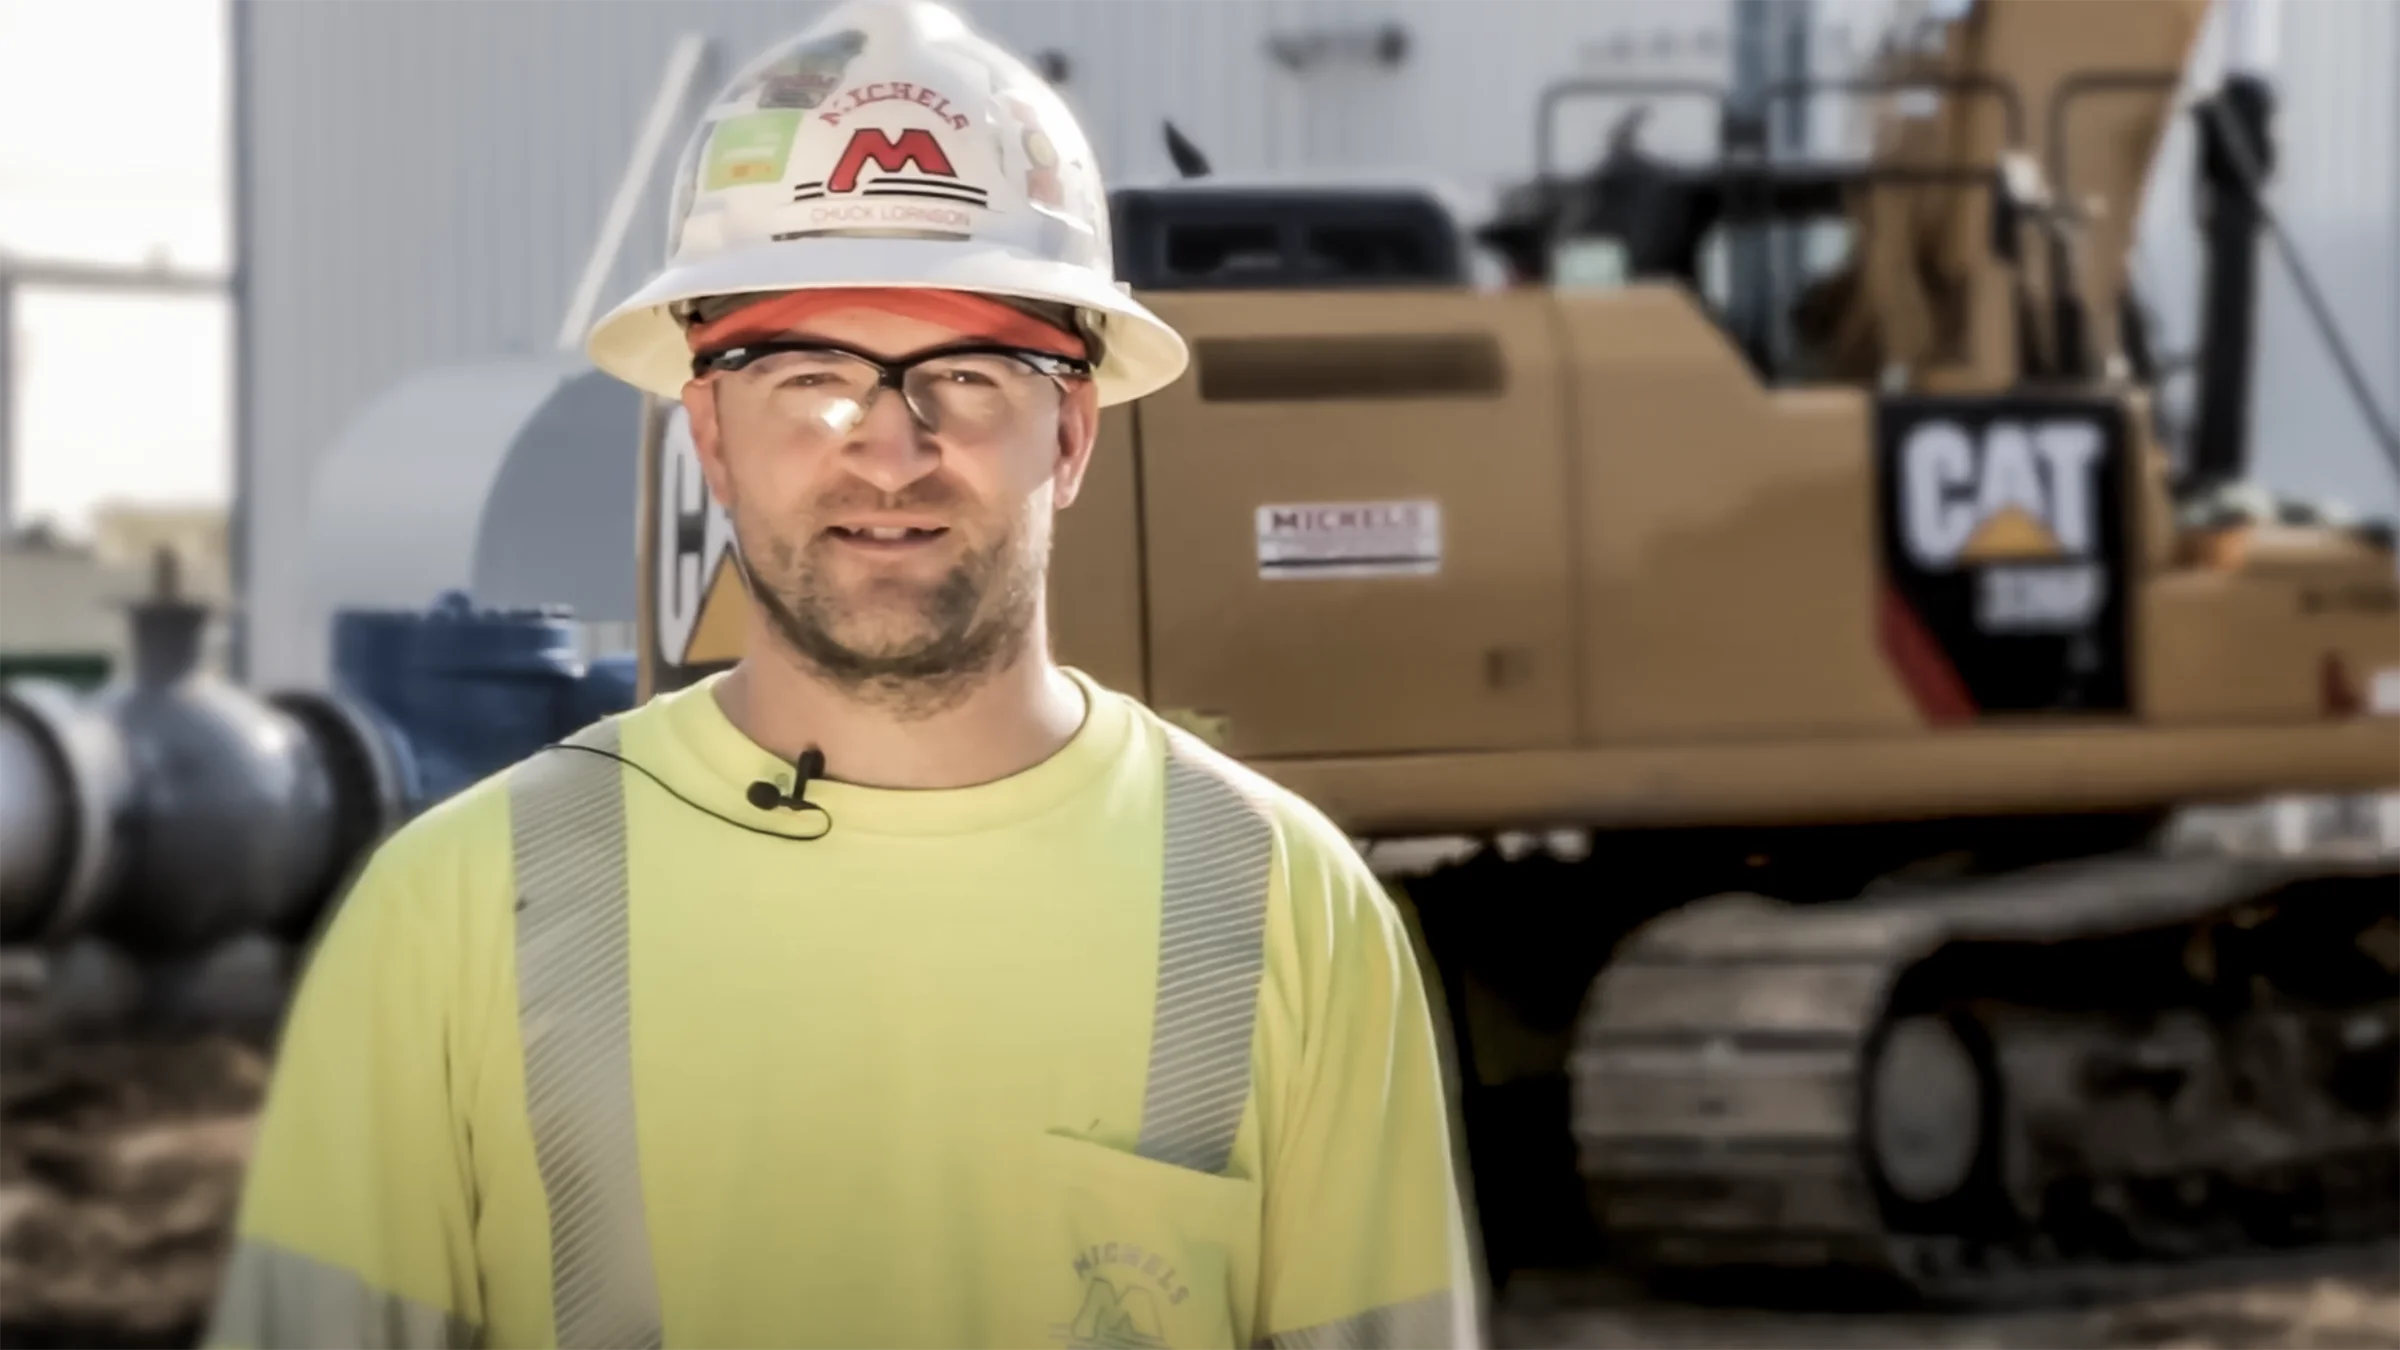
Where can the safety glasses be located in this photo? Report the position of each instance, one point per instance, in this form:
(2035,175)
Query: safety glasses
(815,389)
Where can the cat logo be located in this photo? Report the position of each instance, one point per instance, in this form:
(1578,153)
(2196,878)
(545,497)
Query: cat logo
(701,615)
(2017,503)
(1116,1319)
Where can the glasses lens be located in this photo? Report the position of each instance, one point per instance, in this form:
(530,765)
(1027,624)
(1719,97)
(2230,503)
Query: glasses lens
(812,393)
(975,395)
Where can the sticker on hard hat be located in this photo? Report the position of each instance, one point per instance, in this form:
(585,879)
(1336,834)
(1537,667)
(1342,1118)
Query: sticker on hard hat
(2003,535)
(699,597)
(750,149)
(1323,540)
(1043,187)
(806,77)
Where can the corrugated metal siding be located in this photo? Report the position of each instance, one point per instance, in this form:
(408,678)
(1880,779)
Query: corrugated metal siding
(1466,107)
(1467,99)
(2338,188)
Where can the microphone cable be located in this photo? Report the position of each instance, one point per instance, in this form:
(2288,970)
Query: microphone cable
(811,764)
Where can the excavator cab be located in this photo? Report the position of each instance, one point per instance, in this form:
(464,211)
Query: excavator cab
(1777,247)
(1207,236)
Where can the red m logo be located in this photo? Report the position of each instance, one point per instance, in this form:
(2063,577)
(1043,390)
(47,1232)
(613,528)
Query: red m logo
(870,143)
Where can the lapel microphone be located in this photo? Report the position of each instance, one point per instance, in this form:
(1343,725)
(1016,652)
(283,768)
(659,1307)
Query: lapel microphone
(766,796)
(763,794)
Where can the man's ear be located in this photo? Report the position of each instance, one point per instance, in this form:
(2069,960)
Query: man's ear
(1078,430)
(700,412)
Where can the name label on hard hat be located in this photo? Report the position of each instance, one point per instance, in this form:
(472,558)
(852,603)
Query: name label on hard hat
(2003,541)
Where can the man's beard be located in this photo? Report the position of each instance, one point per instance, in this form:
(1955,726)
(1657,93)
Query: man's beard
(972,622)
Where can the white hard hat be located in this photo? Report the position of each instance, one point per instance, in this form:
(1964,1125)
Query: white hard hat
(889,145)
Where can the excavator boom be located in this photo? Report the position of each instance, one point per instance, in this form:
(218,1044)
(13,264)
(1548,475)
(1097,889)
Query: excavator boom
(2087,90)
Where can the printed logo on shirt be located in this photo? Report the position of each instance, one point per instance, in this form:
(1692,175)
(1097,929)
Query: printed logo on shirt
(1125,1291)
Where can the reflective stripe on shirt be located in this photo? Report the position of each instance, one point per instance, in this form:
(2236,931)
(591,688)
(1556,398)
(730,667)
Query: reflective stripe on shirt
(1211,947)
(1429,1320)
(274,1297)
(568,811)
(567,827)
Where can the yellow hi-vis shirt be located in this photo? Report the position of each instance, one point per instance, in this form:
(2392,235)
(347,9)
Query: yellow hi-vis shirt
(1128,1049)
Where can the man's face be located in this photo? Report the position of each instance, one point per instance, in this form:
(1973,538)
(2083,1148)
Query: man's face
(900,563)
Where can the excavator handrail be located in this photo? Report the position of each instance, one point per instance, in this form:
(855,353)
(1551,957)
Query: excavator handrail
(2084,84)
(2012,103)
(2071,353)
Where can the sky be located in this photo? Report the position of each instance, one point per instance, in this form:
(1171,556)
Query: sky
(114,148)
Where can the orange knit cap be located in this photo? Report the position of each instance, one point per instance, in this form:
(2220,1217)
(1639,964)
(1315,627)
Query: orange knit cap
(978,315)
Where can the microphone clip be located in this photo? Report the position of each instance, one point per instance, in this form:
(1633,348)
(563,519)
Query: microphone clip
(767,795)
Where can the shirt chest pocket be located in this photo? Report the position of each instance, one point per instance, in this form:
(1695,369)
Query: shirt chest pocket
(1141,1253)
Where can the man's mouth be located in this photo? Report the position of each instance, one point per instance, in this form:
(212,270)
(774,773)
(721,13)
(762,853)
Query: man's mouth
(886,536)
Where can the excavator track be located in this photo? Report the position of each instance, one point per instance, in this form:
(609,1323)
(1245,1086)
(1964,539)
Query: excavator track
(2061,1082)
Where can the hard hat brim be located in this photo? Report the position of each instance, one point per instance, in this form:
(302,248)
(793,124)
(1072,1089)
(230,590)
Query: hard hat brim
(640,342)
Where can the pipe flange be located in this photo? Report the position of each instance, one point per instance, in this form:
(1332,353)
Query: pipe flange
(375,778)
(88,754)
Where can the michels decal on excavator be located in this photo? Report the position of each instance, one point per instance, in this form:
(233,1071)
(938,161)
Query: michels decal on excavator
(1325,540)
(2004,548)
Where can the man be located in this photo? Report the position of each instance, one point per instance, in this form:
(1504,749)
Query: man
(899,986)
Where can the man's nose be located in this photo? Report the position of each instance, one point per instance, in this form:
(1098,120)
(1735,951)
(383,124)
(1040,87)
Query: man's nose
(888,448)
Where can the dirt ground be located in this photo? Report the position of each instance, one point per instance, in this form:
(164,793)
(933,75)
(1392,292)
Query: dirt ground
(120,1164)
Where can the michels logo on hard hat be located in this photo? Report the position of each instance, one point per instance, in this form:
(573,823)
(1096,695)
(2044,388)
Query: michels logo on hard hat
(894,157)
(886,173)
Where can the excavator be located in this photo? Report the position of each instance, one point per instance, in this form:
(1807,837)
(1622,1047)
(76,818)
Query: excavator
(1860,628)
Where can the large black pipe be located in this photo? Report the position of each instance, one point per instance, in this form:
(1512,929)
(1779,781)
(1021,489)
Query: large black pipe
(2233,174)
(172,810)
